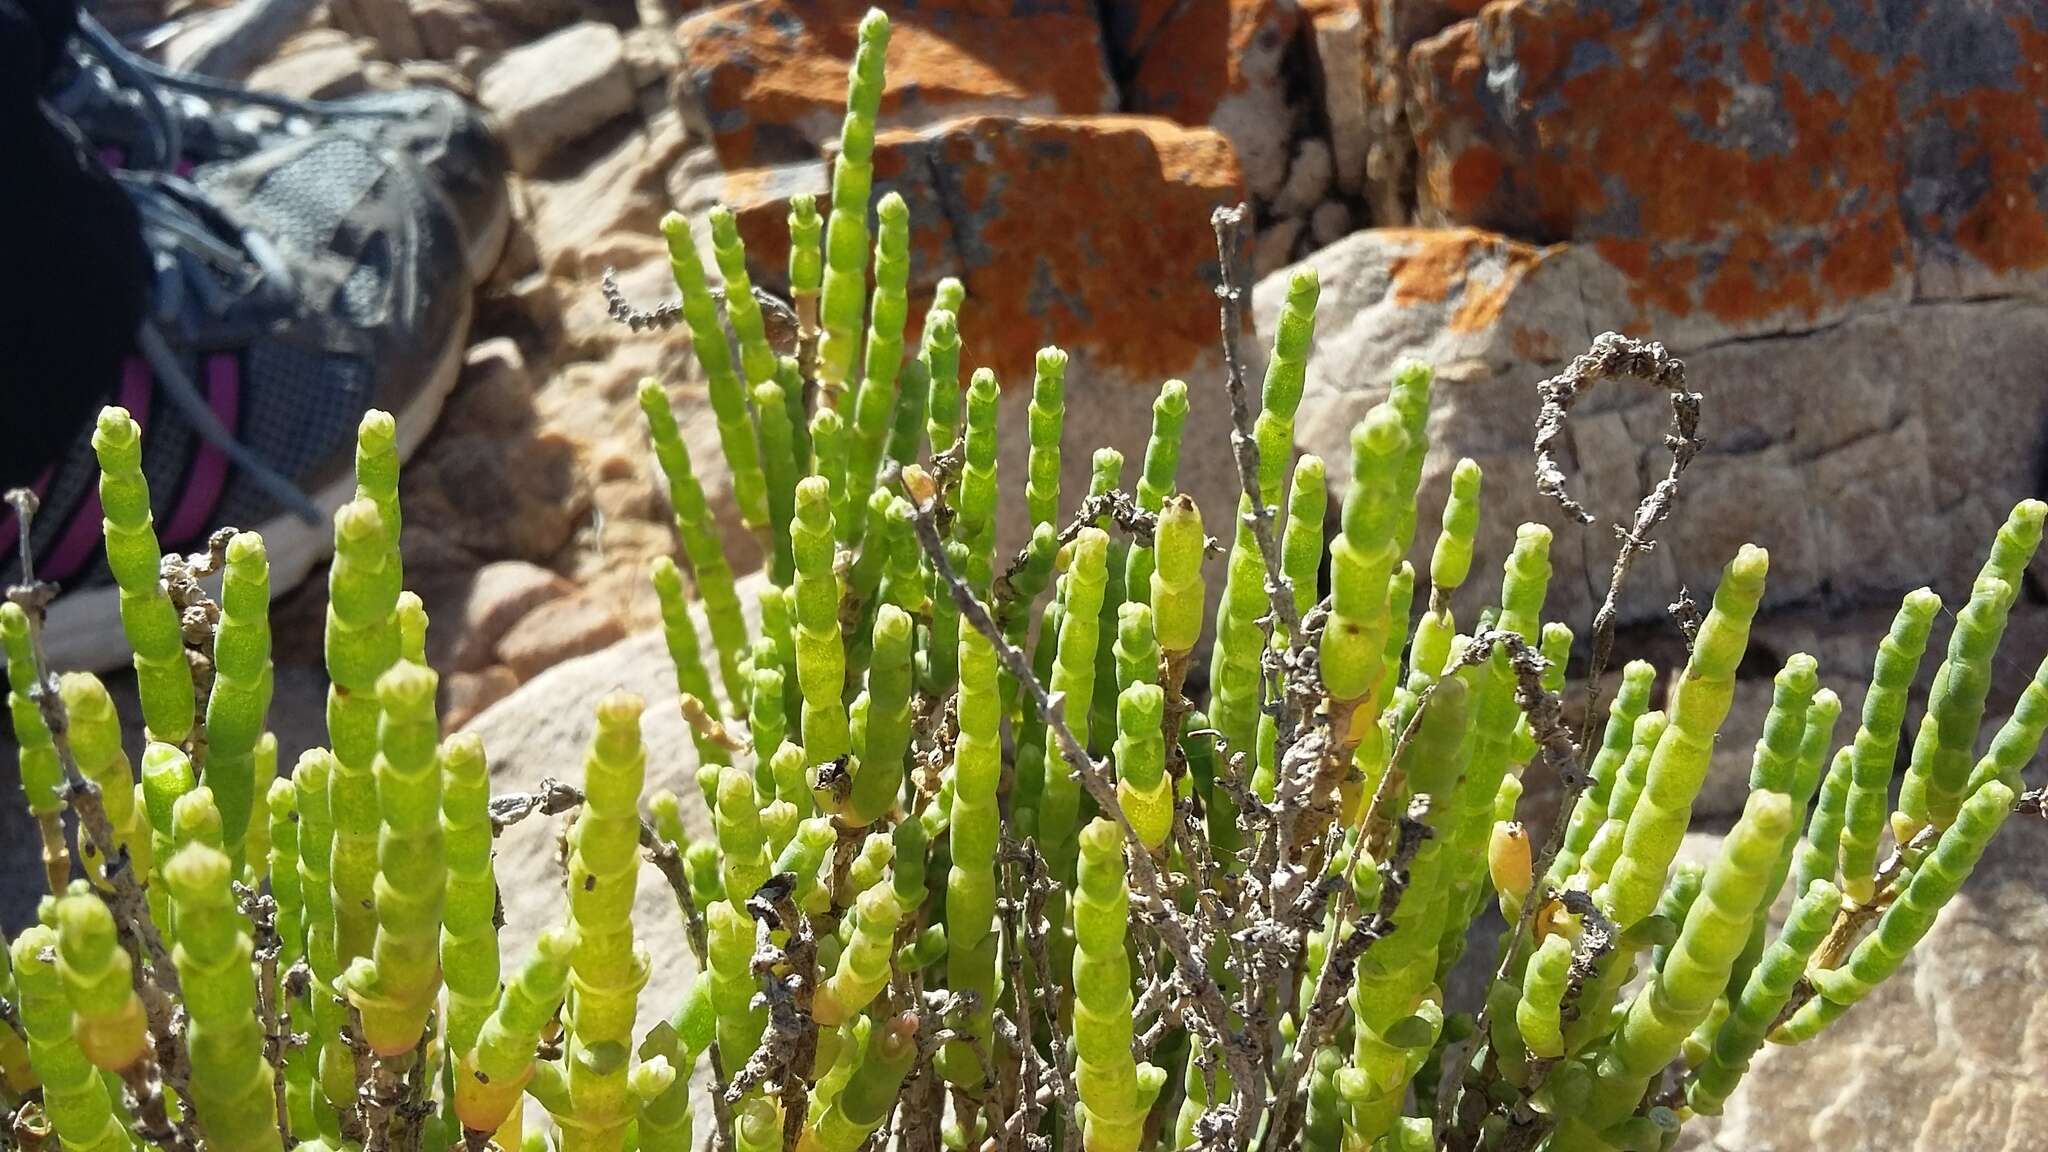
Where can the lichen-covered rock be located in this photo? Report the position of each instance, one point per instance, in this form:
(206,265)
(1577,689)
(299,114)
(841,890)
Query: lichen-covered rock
(1870,455)
(556,91)
(1755,166)
(1217,63)
(767,78)
(1089,232)
(1947,1054)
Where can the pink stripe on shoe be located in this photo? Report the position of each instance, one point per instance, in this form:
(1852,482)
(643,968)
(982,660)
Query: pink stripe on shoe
(81,537)
(208,478)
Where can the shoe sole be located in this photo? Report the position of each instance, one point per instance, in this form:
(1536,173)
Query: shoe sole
(82,630)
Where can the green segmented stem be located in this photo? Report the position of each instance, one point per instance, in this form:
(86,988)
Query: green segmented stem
(1686,879)
(1362,559)
(1934,883)
(1818,854)
(495,1068)
(1234,663)
(874,406)
(780,464)
(404,980)
(913,400)
(863,966)
(1106,475)
(820,654)
(1395,974)
(663,1112)
(941,356)
(1543,985)
(312,777)
(1525,580)
(195,819)
(1141,784)
(805,853)
(1877,740)
(412,627)
(469,931)
(679,631)
(96,746)
(75,1098)
(1178,590)
(767,726)
(699,536)
(166,776)
(41,772)
(1116,1091)
(880,1053)
(729,937)
(806,256)
(1696,972)
(903,582)
(1800,782)
(846,229)
(362,642)
(1933,788)
(742,311)
(876,850)
(939,662)
(1449,564)
(742,842)
(1409,394)
(162,674)
(107,1022)
(1678,767)
(878,774)
(727,393)
(1073,675)
(971,880)
(1631,700)
(606,967)
(1323,1126)
(828,451)
(974,523)
(239,702)
(281,809)
(2016,741)
(1156,480)
(231,1083)
(1605,848)
(1047,419)
(1763,996)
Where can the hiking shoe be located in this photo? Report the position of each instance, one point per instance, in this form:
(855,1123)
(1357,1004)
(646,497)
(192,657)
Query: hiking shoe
(141,115)
(313,276)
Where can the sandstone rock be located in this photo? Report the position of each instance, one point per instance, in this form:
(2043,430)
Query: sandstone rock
(322,72)
(620,189)
(556,91)
(498,597)
(495,391)
(1893,473)
(388,22)
(766,79)
(558,630)
(651,55)
(1758,169)
(1275,246)
(500,497)
(1337,45)
(435,74)
(1308,179)
(1218,64)
(1329,223)
(446,27)
(1945,1054)
(1386,144)
(469,693)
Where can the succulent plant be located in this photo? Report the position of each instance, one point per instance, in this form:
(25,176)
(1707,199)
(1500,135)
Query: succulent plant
(981,874)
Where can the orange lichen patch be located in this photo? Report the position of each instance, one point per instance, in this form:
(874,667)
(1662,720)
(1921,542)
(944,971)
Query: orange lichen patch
(1088,232)
(769,76)
(1185,58)
(1479,270)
